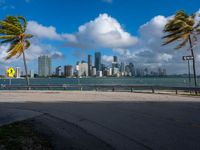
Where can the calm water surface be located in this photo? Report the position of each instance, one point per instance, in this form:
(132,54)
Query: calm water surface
(132,80)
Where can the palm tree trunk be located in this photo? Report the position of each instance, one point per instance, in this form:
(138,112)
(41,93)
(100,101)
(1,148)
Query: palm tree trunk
(194,68)
(26,71)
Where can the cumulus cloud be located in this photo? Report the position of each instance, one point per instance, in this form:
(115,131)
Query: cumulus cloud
(32,54)
(148,51)
(41,31)
(103,32)
(35,50)
(165,57)
(107,59)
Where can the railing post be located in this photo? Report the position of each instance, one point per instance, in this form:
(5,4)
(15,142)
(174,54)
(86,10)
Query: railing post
(176,91)
(132,90)
(113,89)
(153,91)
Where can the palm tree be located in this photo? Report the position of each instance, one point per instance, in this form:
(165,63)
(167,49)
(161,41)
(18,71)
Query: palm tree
(182,28)
(13,32)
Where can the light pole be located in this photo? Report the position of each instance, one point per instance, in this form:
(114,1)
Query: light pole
(188,58)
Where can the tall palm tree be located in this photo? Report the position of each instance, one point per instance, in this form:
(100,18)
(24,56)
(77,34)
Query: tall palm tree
(182,28)
(13,32)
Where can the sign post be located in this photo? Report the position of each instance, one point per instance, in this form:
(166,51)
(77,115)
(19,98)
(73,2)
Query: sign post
(10,74)
(188,58)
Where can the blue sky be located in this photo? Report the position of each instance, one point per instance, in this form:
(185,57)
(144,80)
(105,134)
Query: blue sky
(64,17)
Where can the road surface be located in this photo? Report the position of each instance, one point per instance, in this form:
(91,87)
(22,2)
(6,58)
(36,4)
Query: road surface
(106,120)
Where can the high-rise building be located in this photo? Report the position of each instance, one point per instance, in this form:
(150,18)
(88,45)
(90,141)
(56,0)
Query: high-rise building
(127,71)
(99,73)
(44,66)
(132,69)
(109,72)
(115,59)
(115,68)
(68,71)
(90,65)
(98,61)
(122,67)
(94,71)
(17,72)
(115,71)
(31,73)
(83,69)
(140,72)
(58,71)
(146,72)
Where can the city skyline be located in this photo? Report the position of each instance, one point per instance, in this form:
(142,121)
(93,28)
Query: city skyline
(63,37)
(94,67)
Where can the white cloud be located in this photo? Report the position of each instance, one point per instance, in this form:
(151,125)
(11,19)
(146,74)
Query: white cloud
(37,49)
(149,50)
(32,53)
(107,59)
(103,32)
(42,31)
(164,57)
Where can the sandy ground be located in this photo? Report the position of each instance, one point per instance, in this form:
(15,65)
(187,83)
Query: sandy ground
(56,96)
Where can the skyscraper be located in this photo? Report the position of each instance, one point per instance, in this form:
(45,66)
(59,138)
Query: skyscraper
(98,61)
(44,66)
(68,71)
(31,73)
(83,69)
(115,59)
(90,65)
(58,71)
(132,69)
(18,73)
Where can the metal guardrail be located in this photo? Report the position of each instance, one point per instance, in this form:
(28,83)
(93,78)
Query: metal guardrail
(98,87)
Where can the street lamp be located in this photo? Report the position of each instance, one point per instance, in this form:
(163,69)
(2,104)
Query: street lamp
(188,58)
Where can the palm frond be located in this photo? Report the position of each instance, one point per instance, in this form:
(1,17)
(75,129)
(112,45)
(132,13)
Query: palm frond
(12,45)
(11,27)
(179,28)
(7,36)
(13,20)
(23,24)
(28,36)
(27,44)
(7,32)
(7,41)
(175,33)
(16,49)
(182,44)
(170,40)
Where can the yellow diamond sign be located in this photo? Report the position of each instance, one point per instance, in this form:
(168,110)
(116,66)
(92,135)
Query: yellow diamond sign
(11,72)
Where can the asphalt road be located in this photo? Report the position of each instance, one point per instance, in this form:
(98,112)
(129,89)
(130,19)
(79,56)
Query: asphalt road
(132,124)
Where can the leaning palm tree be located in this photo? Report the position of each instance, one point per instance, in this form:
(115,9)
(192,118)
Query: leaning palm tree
(13,32)
(182,28)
